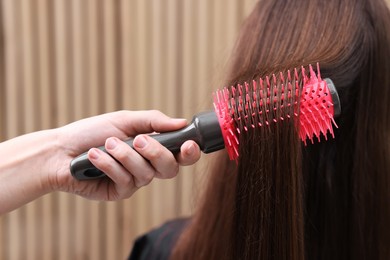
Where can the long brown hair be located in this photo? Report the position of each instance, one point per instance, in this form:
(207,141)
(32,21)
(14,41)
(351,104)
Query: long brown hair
(327,200)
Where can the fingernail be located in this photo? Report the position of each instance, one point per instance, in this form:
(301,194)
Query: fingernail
(111,143)
(190,150)
(94,154)
(140,142)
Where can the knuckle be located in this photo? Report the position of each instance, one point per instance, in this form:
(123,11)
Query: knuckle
(174,171)
(122,156)
(154,153)
(170,173)
(156,118)
(156,113)
(121,114)
(127,181)
(122,152)
(145,179)
(107,166)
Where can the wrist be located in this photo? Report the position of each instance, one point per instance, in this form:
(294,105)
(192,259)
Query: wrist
(51,156)
(26,168)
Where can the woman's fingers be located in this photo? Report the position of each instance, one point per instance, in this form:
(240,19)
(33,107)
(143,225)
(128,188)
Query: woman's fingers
(162,160)
(137,167)
(189,153)
(132,162)
(138,122)
(109,166)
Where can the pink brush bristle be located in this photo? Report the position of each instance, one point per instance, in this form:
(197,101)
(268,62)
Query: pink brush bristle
(264,102)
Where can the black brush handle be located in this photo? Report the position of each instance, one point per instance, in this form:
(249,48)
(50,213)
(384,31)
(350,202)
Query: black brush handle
(204,130)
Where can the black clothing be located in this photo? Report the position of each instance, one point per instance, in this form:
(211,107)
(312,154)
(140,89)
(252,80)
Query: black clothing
(158,243)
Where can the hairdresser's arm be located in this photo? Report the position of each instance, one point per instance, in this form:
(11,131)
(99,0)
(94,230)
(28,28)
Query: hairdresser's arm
(38,163)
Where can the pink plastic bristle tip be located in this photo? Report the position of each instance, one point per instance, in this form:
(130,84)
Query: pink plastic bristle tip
(296,74)
(315,111)
(318,72)
(229,142)
(281,76)
(274,78)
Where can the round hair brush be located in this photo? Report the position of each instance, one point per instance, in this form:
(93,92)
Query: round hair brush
(314,103)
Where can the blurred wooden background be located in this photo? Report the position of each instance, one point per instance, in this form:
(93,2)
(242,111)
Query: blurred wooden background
(63,60)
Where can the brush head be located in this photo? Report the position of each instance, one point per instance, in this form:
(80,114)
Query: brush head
(303,97)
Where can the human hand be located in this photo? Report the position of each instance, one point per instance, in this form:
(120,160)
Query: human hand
(137,166)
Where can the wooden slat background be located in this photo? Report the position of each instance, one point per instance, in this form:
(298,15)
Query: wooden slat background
(62,60)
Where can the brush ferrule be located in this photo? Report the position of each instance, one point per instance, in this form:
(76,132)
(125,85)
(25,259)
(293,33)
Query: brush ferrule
(208,132)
